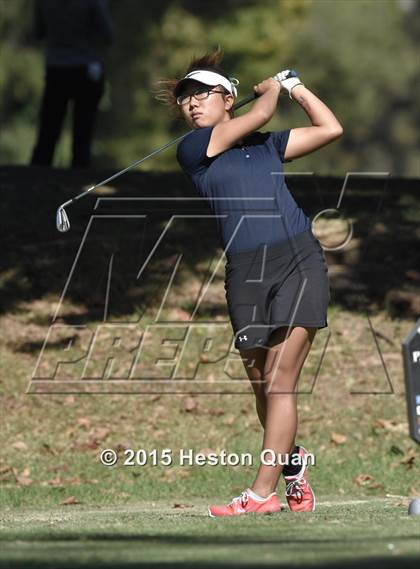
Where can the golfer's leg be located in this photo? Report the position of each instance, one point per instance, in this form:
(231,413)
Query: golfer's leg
(51,116)
(254,362)
(86,101)
(283,364)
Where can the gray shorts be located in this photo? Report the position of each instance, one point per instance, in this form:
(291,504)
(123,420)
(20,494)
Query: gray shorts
(277,285)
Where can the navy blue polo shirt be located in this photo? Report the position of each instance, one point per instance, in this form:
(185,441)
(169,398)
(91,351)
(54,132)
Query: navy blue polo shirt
(245,188)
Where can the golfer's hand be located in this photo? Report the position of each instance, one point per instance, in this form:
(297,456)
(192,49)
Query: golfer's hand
(266,85)
(288,79)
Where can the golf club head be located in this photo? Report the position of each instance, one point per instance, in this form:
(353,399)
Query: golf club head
(62,221)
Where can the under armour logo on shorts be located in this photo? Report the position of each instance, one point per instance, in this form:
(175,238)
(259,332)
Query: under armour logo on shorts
(242,338)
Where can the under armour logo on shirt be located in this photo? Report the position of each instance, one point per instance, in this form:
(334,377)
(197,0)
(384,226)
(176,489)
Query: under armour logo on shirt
(242,338)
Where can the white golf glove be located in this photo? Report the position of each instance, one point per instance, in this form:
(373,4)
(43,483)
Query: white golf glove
(288,79)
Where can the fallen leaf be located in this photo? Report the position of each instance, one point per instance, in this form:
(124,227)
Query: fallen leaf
(409,460)
(168,473)
(99,434)
(55,482)
(229,421)
(391,425)
(190,404)
(375,485)
(49,449)
(217,411)
(21,480)
(185,473)
(159,433)
(178,314)
(119,447)
(338,439)
(70,501)
(207,451)
(363,479)
(159,410)
(20,445)
(83,422)
(76,480)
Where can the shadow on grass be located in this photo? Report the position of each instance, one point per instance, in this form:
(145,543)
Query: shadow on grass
(177,539)
(374,562)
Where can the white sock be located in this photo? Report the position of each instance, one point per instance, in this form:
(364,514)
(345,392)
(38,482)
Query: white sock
(256,497)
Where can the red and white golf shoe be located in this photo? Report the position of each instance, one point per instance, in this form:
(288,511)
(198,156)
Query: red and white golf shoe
(299,494)
(246,504)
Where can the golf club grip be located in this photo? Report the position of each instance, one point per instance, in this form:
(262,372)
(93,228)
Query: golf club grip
(245,101)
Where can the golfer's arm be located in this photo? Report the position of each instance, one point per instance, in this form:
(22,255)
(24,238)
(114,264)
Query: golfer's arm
(325,126)
(266,104)
(226,134)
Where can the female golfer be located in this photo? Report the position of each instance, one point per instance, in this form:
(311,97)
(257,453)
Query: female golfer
(276,280)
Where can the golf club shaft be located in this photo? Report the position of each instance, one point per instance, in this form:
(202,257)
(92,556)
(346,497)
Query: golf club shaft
(239,104)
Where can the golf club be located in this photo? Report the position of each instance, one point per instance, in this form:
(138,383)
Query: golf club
(62,220)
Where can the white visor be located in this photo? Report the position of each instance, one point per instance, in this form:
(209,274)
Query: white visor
(209,78)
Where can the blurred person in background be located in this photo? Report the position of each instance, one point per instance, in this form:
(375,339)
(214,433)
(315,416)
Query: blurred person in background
(74,32)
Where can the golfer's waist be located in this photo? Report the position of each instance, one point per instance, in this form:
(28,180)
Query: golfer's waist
(270,250)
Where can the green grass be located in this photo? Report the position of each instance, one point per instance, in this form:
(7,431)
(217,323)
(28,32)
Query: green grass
(374,533)
(55,440)
(127,515)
